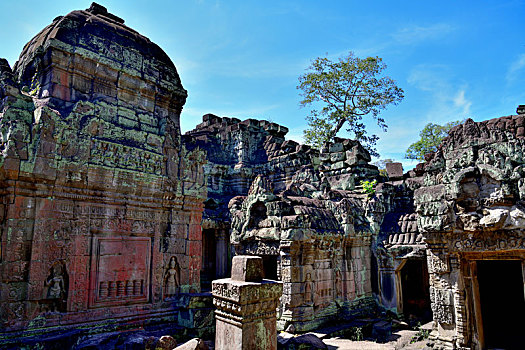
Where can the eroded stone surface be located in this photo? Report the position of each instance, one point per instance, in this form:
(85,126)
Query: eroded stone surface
(102,203)
(247,268)
(298,209)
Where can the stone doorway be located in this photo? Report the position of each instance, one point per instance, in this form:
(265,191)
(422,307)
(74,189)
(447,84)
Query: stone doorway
(216,256)
(209,257)
(415,291)
(502,303)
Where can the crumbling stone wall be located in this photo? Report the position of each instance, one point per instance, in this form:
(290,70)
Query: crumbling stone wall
(398,239)
(322,232)
(300,210)
(101,211)
(323,263)
(101,205)
(239,150)
(236,152)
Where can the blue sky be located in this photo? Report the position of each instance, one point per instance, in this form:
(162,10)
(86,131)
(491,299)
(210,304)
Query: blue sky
(454,59)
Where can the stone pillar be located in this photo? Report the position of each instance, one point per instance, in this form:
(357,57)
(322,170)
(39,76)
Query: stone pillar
(246,307)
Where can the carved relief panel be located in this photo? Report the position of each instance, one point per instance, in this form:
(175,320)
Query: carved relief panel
(120,270)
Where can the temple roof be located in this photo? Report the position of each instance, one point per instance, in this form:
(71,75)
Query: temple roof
(96,32)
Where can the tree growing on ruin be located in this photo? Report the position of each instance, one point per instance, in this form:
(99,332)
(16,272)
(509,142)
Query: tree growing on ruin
(341,93)
(430,138)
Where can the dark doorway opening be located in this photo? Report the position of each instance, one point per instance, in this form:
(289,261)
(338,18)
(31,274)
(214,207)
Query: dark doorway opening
(270,267)
(416,291)
(502,303)
(208,270)
(374,275)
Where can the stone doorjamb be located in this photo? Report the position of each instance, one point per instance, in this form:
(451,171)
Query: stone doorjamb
(398,265)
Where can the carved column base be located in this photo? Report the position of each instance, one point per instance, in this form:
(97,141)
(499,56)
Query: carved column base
(246,310)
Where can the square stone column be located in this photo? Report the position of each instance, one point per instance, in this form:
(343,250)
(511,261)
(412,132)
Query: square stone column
(246,307)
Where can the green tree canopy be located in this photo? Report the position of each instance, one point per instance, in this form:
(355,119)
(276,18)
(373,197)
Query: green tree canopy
(430,137)
(343,92)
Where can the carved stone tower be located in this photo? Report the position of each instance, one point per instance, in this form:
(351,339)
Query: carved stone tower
(101,205)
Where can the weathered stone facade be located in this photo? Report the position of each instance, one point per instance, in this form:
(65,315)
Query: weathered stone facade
(400,249)
(330,244)
(470,211)
(101,205)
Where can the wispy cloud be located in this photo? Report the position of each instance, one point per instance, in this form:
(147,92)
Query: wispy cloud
(429,77)
(462,103)
(394,143)
(250,69)
(414,34)
(448,96)
(244,67)
(515,67)
(411,35)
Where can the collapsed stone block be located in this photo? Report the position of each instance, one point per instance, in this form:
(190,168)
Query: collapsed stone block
(394,170)
(247,268)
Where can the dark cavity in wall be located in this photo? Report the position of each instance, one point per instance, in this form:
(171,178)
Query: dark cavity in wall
(208,271)
(502,303)
(270,267)
(416,291)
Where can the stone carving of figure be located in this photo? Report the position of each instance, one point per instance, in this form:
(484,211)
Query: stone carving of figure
(171,278)
(56,289)
(338,284)
(308,289)
(55,282)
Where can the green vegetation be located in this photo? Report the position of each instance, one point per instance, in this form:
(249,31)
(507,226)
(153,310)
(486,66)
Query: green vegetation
(421,334)
(343,92)
(430,137)
(369,187)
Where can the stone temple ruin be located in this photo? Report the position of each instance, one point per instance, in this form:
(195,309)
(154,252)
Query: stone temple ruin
(112,220)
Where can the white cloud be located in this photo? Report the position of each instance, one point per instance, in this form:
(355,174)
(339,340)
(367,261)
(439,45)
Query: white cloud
(414,34)
(515,67)
(296,134)
(408,35)
(247,68)
(429,77)
(409,164)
